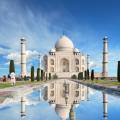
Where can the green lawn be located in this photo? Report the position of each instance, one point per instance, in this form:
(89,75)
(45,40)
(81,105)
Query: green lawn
(103,82)
(7,84)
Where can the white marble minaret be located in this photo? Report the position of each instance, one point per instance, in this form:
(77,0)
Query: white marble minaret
(105,58)
(39,65)
(88,64)
(23,57)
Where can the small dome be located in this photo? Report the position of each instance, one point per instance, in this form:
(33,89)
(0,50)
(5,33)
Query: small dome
(76,50)
(63,44)
(52,50)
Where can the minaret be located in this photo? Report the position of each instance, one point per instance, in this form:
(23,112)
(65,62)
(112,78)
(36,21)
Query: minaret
(105,106)
(23,57)
(105,58)
(88,65)
(39,56)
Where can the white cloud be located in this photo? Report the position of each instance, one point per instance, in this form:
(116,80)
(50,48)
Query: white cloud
(17,57)
(32,54)
(17,23)
(92,64)
(3,51)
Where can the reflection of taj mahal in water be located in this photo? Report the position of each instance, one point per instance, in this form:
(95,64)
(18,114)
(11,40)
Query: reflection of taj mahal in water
(64,96)
(64,60)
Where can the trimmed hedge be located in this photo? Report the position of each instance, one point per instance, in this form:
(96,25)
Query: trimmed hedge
(32,73)
(11,67)
(54,76)
(49,76)
(74,76)
(118,72)
(42,74)
(80,76)
(38,74)
(92,75)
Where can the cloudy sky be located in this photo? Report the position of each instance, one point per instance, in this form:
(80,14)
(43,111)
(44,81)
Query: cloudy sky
(42,22)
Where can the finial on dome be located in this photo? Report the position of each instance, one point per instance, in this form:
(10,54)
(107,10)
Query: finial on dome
(105,37)
(23,39)
(63,33)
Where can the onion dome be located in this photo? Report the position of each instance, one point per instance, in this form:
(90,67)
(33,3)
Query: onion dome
(63,44)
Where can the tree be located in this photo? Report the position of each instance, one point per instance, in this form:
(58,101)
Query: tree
(42,74)
(74,76)
(32,73)
(118,72)
(38,74)
(25,77)
(92,75)
(85,75)
(49,76)
(88,74)
(11,67)
(80,76)
(54,76)
(46,76)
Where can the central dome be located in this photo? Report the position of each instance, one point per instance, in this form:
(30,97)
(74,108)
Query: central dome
(64,43)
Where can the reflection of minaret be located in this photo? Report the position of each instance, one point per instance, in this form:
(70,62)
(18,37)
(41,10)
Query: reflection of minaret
(23,107)
(87,93)
(40,96)
(105,58)
(72,113)
(23,57)
(105,106)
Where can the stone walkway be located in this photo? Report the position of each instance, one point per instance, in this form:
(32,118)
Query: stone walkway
(22,88)
(113,90)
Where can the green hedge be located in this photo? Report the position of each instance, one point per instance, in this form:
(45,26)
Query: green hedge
(118,72)
(32,73)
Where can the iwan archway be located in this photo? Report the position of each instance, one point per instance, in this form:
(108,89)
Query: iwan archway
(64,65)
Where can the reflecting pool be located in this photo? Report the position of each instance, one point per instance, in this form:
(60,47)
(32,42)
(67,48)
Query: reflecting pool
(61,100)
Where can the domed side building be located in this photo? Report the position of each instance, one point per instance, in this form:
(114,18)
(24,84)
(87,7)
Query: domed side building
(64,60)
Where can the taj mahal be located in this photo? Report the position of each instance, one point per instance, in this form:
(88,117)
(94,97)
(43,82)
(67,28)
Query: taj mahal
(64,59)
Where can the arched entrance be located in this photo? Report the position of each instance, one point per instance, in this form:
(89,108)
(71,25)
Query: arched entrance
(64,65)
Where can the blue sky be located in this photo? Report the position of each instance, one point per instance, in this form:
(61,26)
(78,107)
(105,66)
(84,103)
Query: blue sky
(42,22)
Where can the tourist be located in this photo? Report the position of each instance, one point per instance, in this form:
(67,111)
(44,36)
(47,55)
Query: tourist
(4,78)
(12,78)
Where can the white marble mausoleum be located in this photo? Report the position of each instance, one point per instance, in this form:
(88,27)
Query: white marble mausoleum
(64,59)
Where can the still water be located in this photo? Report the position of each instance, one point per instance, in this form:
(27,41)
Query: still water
(61,100)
